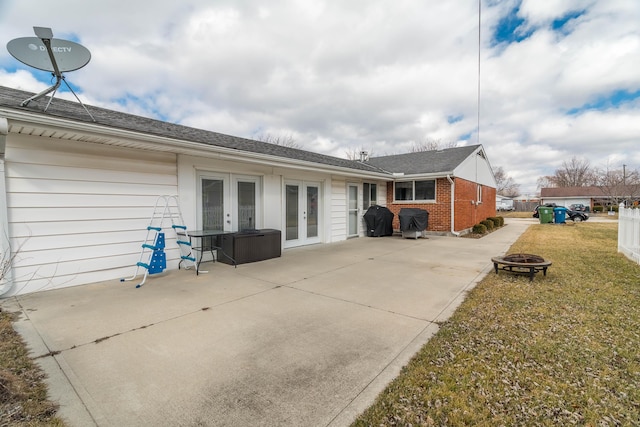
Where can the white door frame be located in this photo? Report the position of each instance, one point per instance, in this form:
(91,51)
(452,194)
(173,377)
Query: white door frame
(302,219)
(230,197)
(226,199)
(257,220)
(353,210)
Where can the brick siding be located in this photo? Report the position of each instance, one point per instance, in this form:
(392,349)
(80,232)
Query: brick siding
(467,214)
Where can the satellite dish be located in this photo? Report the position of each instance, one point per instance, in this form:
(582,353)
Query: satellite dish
(48,54)
(32,51)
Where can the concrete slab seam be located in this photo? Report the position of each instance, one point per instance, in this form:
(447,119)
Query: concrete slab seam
(357,303)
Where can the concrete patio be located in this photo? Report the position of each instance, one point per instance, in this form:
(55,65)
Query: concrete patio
(307,339)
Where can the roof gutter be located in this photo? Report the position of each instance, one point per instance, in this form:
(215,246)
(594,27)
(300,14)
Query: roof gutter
(453,217)
(6,257)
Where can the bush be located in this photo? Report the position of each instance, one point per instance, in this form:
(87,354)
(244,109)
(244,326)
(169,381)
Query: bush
(479,229)
(488,223)
(498,221)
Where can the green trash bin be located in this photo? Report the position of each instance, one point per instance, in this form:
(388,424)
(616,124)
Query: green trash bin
(545,214)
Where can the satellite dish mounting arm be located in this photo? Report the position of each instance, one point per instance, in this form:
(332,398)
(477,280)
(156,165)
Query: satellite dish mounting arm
(56,72)
(46,34)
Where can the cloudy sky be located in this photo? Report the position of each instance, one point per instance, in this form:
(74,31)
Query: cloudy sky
(554,79)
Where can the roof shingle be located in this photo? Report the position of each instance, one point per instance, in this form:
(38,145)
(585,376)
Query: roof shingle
(424,162)
(437,161)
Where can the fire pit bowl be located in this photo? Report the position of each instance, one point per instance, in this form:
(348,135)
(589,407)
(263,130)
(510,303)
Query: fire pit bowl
(521,264)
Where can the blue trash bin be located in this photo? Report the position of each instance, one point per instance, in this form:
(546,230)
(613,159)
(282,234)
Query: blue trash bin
(560,214)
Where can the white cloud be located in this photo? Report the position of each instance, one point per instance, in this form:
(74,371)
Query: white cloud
(344,76)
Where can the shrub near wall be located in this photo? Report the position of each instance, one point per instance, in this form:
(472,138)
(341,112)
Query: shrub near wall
(479,229)
(498,221)
(488,223)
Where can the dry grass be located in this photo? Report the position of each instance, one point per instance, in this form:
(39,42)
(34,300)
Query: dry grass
(516,214)
(562,350)
(23,394)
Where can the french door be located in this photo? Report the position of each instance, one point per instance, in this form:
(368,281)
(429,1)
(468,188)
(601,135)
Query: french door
(214,203)
(229,202)
(302,212)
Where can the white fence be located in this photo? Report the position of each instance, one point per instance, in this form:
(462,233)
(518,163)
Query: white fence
(629,233)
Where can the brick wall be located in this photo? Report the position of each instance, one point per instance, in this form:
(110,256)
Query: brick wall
(467,214)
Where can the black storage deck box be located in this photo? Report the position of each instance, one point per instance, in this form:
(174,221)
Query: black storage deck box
(251,246)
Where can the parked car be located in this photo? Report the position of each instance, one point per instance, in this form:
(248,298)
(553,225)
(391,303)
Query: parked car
(577,216)
(573,215)
(579,207)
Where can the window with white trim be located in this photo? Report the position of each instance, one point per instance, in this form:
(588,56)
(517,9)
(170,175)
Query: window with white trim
(479,197)
(416,191)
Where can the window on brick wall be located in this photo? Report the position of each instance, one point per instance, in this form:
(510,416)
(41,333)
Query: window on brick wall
(479,190)
(415,191)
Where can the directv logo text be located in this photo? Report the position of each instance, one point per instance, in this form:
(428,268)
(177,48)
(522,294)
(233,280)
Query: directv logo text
(53,48)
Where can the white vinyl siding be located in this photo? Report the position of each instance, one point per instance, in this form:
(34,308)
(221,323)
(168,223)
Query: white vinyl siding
(78,211)
(338,209)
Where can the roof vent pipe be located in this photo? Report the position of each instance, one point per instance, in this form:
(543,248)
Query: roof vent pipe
(364,156)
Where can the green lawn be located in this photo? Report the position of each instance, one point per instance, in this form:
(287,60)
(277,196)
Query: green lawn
(563,350)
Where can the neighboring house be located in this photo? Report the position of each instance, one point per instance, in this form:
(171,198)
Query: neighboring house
(589,196)
(79,194)
(567,196)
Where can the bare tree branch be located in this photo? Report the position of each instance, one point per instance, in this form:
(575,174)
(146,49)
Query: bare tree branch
(619,185)
(575,173)
(355,153)
(431,145)
(282,140)
(546,182)
(506,185)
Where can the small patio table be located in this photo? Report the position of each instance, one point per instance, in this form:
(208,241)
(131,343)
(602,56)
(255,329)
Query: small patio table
(209,241)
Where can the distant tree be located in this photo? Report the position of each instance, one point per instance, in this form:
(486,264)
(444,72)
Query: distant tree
(546,182)
(575,173)
(283,140)
(431,145)
(619,185)
(506,184)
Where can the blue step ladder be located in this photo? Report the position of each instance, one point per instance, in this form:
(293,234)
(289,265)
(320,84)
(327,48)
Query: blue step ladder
(153,259)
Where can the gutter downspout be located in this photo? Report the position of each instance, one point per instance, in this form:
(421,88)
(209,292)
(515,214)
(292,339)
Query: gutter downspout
(6,257)
(453,217)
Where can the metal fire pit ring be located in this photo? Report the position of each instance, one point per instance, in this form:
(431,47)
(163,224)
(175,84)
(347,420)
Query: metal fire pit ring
(521,264)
